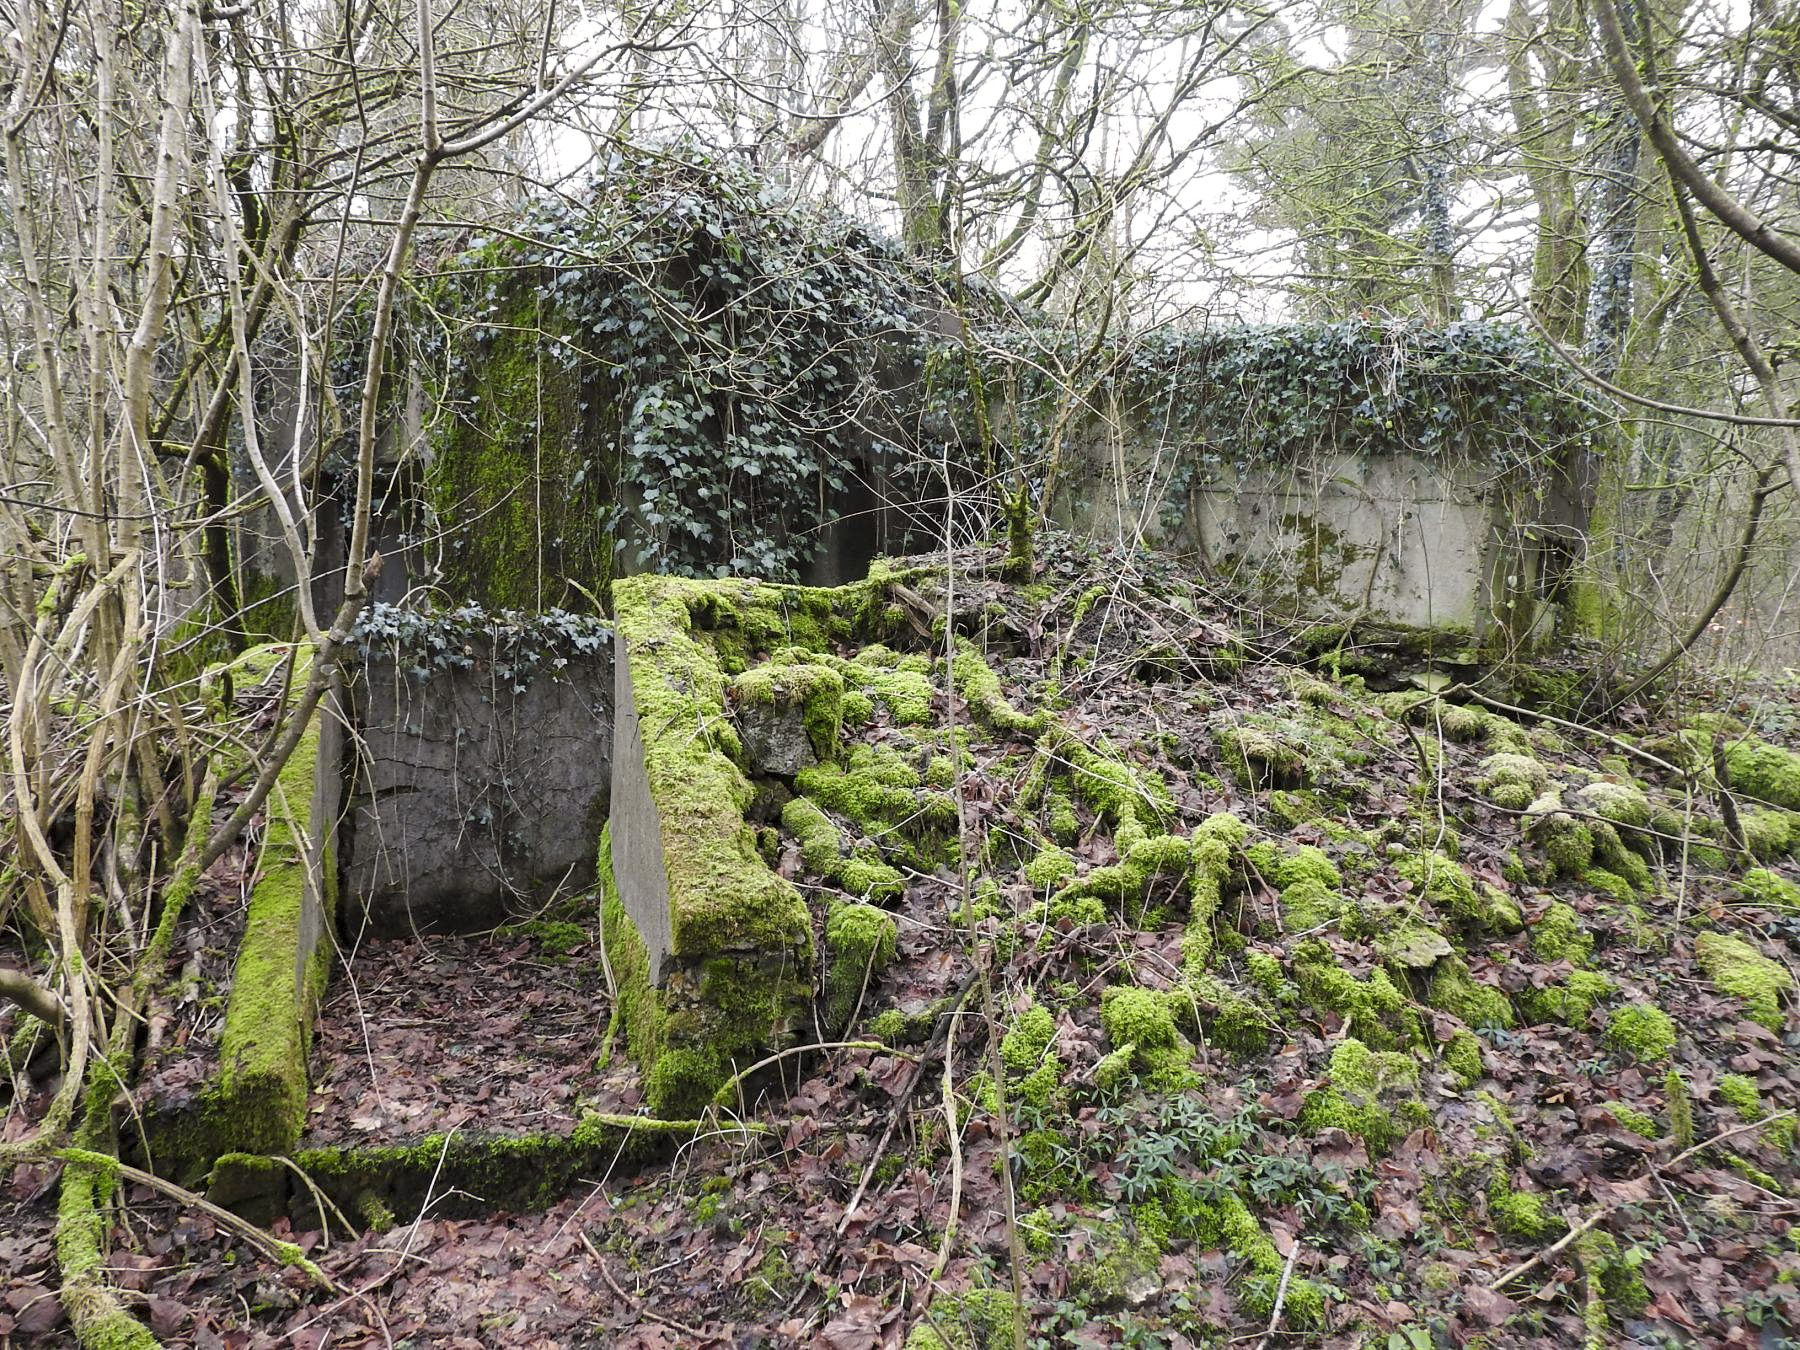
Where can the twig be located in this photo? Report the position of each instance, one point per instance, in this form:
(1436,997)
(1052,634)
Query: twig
(730,1083)
(945,1022)
(285,1252)
(956,1161)
(1287,1273)
(1599,1214)
(635,1301)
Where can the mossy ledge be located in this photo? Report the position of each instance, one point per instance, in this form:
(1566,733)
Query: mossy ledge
(461,1174)
(712,952)
(255,1100)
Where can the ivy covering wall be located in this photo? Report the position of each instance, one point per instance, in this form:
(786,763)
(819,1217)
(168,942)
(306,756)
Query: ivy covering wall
(684,370)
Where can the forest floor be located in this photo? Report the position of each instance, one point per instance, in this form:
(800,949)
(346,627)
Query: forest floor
(1470,1028)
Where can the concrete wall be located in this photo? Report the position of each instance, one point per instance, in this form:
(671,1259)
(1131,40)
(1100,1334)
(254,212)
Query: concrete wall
(1398,537)
(473,798)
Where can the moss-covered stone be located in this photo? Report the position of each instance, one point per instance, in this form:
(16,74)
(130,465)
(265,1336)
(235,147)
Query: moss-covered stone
(1568,843)
(1474,905)
(814,691)
(1455,991)
(1763,887)
(1641,1030)
(1371,1094)
(1558,935)
(860,943)
(1512,781)
(1770,833)
(1765,772)
(1377,1011)
(1738,969)
(1462,1058)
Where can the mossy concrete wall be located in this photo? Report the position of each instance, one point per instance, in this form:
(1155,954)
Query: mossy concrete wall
(255,1099)
(478,788)
(711,950)
(1397,537)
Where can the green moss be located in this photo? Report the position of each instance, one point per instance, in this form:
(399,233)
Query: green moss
(891,1027)
(1371,1094)
(1570,1000)
(1125,883)
(1638,1122)
(1378,1013)
(1770,833)
(1741,1094)
(1622,804)
(817,690)
(822,850)
(1450,889)
(906,694)
(1049,868)
(1023,1047)
(1558,935)
(875,787)
(257,1099)
(974,1319)
(1462,1058)
(980,688)
(1145,1020)
(1260,752)
(1454,991)
(1522,1214)
(860,942)
(1568,843)
(1641,1030)
(1763,771)
(95,1316)
(1760,886)
(1738,969)
(857,708)
(1266,974)
(1512,781)
(1120,1262)
(526,519)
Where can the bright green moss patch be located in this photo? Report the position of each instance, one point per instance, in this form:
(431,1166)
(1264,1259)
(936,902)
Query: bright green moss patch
(860,943)
(822,849)
(1512,781)
(1377,1011)
(980,688)
(1462,1058)
(1049,868)
(1023,1047)
(1371,1094)
(1738,969)
(1453,892)
(1760,886)
(1522,1214)
(1638,1122)
(1144,1020)
(1641,1030)
(1454,991)
(1558,935)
